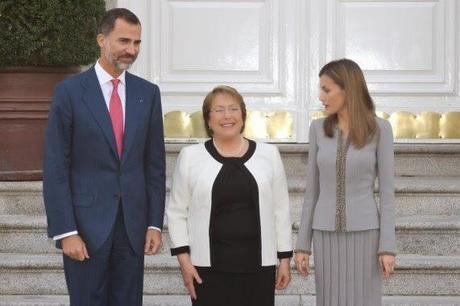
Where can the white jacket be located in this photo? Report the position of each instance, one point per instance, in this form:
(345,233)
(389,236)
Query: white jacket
(189,207)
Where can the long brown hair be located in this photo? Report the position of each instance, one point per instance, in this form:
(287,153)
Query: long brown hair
(360,106)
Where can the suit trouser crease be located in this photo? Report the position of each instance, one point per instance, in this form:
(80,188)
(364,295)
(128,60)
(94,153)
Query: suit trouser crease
(113,276)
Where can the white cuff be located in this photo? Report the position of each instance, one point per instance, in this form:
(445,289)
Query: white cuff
(155,228)
(59,237)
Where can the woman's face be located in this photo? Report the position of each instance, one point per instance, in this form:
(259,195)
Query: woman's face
(331,95)
(225,118)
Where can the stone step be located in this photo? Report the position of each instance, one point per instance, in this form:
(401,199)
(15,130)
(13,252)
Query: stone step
(183,300)
(414,196)
(28,234)
(410,159)
(20,198)
(427,159)
(149,300)
(406,204)
(41,274)
(426,235)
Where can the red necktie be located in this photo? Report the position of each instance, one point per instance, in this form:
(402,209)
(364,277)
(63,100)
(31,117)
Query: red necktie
(116,114)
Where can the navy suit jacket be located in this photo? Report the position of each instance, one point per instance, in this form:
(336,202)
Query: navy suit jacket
(84,180)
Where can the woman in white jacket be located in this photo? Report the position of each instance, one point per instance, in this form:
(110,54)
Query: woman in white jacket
(228,213)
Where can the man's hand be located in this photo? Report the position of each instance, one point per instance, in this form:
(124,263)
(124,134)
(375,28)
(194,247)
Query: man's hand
(152,241)
(283,276)
(74,247)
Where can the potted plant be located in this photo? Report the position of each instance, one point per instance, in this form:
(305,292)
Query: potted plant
(43,41)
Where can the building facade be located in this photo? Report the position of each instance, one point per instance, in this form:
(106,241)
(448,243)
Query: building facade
(272,50)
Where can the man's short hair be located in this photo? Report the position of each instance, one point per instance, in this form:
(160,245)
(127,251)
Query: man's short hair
(110,17)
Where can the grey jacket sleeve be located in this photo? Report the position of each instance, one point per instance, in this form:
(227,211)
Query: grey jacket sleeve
(385,168)
(311,195)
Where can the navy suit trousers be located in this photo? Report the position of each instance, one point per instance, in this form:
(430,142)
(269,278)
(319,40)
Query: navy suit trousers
(113,276)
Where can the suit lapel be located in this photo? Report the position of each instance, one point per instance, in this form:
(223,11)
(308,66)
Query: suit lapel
(134,107)
(94,100)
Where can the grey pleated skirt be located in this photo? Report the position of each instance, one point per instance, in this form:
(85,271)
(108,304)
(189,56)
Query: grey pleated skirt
(346,268)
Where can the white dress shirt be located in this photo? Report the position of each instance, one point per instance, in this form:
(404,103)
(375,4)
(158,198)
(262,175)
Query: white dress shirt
(105,81)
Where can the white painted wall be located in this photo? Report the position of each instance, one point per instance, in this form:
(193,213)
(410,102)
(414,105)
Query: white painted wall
(272,50)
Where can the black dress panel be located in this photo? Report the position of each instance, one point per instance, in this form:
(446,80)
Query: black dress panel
(236,289)
(236,276)
(234,224)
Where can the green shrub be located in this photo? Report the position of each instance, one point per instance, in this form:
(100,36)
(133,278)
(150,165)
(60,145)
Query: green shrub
(49,32)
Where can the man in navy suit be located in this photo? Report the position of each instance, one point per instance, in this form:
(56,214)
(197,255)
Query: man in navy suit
(104,171)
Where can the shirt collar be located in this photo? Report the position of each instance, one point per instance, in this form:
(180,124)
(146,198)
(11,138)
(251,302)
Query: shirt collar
(104,77)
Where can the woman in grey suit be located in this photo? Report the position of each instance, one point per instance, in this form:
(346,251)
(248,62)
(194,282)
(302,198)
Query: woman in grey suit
(353,240)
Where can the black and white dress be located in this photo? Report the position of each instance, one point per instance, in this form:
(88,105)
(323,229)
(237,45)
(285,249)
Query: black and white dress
(237,273)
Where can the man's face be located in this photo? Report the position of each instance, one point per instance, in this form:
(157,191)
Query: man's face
(121,46)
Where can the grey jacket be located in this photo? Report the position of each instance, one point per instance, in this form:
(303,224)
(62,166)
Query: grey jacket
(340,186)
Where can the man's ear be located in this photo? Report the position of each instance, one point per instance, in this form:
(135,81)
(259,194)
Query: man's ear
(100,38)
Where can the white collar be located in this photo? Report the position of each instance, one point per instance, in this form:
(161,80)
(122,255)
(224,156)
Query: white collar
(104,77)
